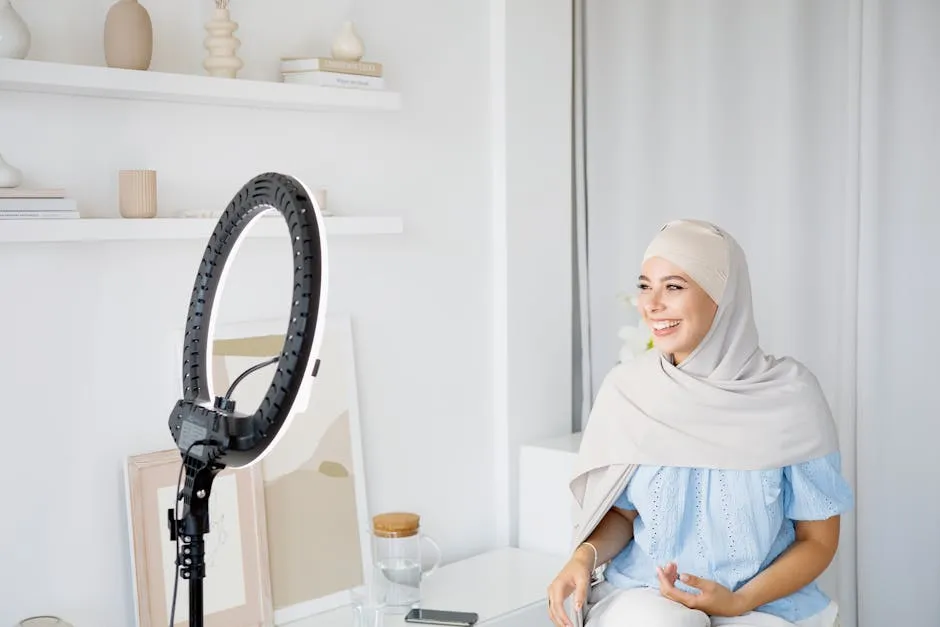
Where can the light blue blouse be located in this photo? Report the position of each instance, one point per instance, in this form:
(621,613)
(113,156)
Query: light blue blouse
(727,525)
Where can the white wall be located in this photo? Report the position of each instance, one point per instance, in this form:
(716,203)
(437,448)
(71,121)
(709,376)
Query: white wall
(86,374)
(531,78)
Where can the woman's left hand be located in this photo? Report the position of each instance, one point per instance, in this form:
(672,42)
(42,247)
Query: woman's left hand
(713,598)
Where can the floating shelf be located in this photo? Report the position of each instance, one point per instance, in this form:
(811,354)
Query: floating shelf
(121,229)
(105,82)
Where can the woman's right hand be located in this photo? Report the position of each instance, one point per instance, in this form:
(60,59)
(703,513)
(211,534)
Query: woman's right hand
(574,578)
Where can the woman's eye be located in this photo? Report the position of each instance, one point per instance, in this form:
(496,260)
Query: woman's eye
(642,286)
(674,287)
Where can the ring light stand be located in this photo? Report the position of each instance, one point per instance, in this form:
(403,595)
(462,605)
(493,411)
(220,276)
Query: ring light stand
(208,430)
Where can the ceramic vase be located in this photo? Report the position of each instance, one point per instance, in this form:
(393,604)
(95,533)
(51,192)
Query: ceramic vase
(14,34)
(128,36)
(347,45)
(137,193)
(9,176)
(222,44)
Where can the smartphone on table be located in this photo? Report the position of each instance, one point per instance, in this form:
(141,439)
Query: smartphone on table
(441,617)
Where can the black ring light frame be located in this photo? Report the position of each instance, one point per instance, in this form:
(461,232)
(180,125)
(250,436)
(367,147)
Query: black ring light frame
(210,434)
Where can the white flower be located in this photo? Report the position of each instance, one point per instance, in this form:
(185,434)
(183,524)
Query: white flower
(630,299)
(636,340)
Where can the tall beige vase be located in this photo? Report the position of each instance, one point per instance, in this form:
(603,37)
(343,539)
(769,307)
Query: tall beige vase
(128,36)
(222,44)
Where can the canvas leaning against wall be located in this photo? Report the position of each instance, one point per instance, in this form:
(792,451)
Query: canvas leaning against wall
(314,485)
(237,591)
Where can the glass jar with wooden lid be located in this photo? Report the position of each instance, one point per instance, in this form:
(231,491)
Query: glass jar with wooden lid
(397,555)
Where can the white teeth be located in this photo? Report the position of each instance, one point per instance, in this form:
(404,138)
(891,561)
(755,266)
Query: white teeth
(665,324)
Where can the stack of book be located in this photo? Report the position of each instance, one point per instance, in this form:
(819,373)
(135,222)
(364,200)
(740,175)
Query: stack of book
(327,72)
(20,203)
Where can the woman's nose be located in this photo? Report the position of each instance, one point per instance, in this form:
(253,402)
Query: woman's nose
(654,302)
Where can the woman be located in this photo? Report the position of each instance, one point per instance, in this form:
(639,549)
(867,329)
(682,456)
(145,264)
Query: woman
(708,480)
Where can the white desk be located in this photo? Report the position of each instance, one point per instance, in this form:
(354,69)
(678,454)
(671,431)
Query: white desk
(506,587)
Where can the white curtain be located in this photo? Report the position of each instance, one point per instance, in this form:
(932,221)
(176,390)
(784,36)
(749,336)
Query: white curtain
(811,131)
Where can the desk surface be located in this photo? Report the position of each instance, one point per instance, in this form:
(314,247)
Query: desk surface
(493,584)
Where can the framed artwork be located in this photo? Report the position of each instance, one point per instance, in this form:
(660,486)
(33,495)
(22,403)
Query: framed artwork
(314,484)
(236,589)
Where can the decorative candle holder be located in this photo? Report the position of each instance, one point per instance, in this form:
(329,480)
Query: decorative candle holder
(137,193)
(222,43)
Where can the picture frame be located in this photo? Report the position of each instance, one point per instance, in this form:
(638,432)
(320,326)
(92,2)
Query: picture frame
(316,508)
(237,587)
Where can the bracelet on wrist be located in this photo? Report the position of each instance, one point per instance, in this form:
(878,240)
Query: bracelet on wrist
(593,548)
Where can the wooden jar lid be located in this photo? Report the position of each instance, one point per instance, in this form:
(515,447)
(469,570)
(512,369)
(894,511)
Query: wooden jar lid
(396,524)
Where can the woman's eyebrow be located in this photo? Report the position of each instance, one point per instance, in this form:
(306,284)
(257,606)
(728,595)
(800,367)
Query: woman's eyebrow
(671,277)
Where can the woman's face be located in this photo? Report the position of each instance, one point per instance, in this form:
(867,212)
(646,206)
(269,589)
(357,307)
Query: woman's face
(676,309)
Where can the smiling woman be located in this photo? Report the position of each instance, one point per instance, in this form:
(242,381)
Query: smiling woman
(708,479)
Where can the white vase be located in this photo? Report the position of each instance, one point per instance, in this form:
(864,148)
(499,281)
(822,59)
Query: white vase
(9,176)
(14,34)
(347,45)
(222,44)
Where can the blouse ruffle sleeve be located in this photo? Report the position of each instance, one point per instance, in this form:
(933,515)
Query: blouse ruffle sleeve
(816,489)
(623,502)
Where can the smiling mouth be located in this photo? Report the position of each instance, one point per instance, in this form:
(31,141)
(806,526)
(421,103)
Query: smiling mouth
(664,327)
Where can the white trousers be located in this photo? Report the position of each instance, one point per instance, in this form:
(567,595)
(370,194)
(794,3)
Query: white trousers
(646,607)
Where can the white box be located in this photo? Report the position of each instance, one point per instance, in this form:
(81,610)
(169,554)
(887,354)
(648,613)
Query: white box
(545,501)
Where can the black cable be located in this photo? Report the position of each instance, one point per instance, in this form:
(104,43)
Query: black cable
(176,515)
(238,379)
(179,480)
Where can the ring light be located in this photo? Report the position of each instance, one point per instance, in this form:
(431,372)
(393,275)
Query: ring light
(210,434)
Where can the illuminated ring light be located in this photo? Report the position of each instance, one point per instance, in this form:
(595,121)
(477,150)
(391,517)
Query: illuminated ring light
(240,440)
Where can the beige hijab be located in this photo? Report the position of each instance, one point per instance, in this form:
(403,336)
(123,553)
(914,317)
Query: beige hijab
(728,405)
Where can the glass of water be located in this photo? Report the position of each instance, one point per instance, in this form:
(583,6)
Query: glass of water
(368,607)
